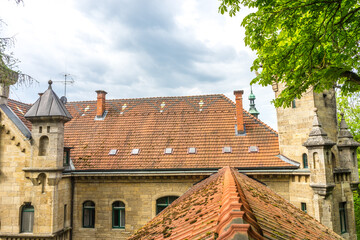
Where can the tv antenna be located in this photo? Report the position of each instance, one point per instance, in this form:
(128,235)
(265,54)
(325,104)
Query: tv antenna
(68,79)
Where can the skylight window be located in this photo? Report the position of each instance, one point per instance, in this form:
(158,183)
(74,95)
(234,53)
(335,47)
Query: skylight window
(135,151)
(227,150)
(191,150)
(168,151)
(253,149)
(113,152)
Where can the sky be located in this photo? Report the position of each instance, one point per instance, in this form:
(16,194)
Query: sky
(131,49)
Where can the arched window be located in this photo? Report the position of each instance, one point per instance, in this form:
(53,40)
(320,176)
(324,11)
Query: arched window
(118,215)
(88,214)
(43,145)
(163,202)
(305,160)
(27,218)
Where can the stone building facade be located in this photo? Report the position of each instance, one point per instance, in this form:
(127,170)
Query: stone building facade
(102,169)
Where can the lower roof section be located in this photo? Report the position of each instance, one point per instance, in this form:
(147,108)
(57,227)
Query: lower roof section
(229,205)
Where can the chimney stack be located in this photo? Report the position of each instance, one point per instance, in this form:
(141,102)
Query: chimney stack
(239,111)
(100,105)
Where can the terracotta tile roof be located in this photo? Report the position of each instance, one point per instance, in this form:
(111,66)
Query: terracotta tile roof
(20,109)
(229,204)
(152,124)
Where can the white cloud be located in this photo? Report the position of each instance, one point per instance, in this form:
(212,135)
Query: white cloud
(132,49)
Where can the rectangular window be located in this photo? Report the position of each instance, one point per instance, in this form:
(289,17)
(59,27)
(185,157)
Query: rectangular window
(66,160)
(342,212)
(303,207)
(88,214)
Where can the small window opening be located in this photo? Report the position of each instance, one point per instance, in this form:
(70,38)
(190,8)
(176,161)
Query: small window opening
(48,129)
(354,158)
(293,103)
(113,152)
(163,202)
(226,150)
(168,151)
(43,145)
(40,129)
(66,160)
(343,221)
(135,151)
(191,150)
(315,159)
(65,214)
(118,215)
(305,160)
(42,180)
(303,207)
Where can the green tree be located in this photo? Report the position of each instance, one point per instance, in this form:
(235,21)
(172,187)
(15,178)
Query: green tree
(303,43)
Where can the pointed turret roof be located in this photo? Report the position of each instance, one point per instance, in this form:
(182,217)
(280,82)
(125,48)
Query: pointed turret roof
(253,111)
(48,105)
(317,136)
(345,138)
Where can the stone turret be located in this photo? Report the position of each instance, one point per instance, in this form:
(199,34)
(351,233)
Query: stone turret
(321,176)
(48,115)
(319,149)
(347,153)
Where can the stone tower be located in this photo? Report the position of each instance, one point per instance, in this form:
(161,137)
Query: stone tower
(326,155)
(295,122)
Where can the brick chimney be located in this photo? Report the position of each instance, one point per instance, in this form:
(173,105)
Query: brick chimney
(100,105)
(239,112)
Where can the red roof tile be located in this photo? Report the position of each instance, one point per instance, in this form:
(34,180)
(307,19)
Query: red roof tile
(229,204)
(153,124)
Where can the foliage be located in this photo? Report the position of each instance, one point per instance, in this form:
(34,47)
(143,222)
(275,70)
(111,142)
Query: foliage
(357,212)
(306,44)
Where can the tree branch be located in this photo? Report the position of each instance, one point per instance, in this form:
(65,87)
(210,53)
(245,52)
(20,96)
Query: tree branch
(351,76)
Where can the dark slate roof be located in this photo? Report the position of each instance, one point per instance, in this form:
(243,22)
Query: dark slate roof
(15,119)
(48,105)
(230,205)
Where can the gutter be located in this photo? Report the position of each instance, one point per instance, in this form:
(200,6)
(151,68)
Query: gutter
(170,172)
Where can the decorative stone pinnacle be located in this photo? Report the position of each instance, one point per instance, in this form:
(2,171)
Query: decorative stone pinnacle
(317,135)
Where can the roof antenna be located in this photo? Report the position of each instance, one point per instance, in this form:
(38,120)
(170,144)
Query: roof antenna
(68,79)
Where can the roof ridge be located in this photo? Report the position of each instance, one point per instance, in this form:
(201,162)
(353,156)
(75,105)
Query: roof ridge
(261,122)
(231,220)
(16,101)
(144,98)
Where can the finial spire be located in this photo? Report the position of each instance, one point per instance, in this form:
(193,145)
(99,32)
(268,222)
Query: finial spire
(252,109)
(50,83)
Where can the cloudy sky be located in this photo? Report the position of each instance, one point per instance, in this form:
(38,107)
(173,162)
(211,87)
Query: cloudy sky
(131,49)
